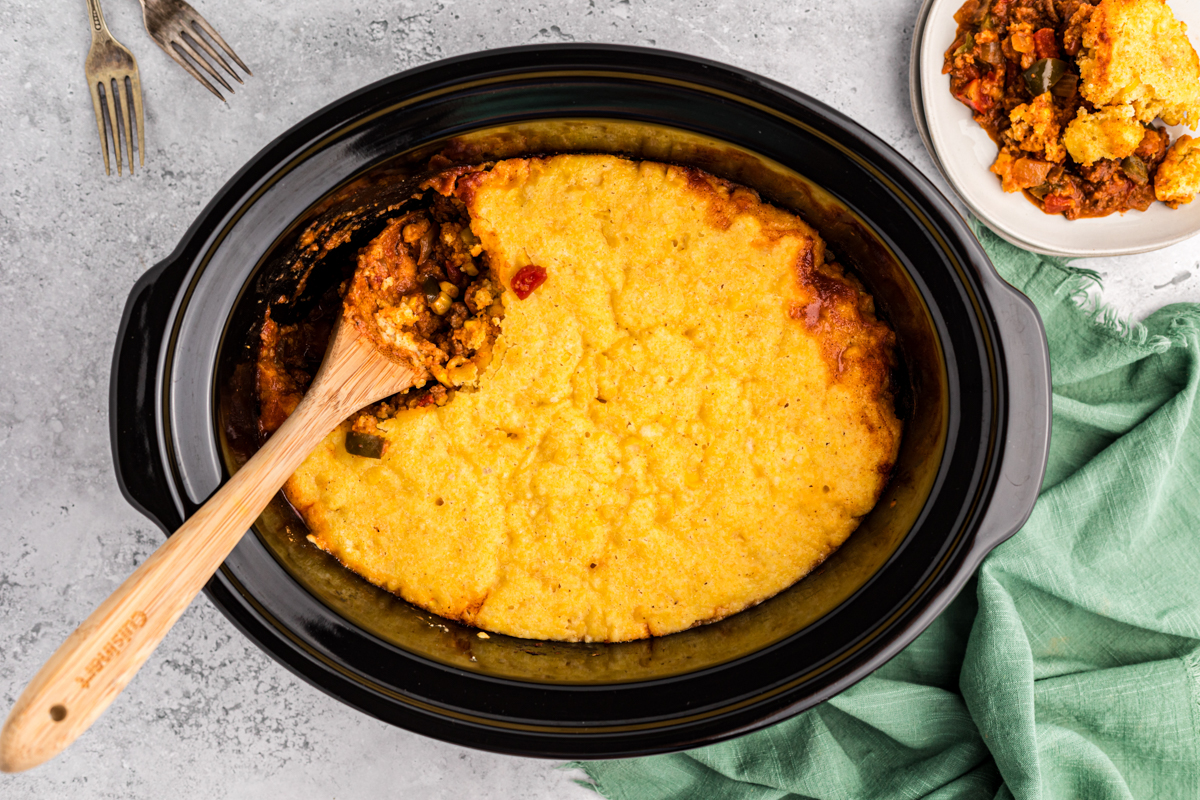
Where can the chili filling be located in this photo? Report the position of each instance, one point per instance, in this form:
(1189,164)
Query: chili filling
(425,287)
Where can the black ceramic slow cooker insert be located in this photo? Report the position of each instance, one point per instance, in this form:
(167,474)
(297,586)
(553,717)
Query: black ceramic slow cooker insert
(975,400)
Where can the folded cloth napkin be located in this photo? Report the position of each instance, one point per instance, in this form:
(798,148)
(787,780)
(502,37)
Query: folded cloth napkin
(1070,666)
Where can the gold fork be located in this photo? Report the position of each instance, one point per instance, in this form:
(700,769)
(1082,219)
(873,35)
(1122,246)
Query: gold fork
(175,27)
(109,65)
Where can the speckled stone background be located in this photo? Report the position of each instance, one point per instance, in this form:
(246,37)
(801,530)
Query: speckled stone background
(210,716)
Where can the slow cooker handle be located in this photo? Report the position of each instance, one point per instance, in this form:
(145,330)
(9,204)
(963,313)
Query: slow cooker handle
(133,410)
(1027,432)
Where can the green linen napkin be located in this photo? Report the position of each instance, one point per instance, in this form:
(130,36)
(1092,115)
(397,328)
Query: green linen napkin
(1070,666)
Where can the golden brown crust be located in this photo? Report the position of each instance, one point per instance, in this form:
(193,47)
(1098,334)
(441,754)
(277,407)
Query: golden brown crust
(1136,53)
(690,413)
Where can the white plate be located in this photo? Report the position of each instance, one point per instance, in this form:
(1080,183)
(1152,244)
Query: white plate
(963,152)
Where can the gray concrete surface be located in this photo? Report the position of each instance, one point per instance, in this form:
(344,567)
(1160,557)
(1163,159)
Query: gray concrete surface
(210,716)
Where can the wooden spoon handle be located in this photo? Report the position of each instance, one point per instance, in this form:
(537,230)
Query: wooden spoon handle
(95,663)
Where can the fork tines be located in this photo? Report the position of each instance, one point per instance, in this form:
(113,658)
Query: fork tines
(187,37)
(102,100)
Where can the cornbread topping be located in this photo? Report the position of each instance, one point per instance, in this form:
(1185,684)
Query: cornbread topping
(680,405)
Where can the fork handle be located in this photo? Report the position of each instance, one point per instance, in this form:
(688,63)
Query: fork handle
(96,18)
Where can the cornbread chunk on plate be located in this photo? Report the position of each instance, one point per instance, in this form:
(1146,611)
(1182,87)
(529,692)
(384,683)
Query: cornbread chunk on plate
(1035,128)
(1111,132)
(1177,180)
(1136,53)
(687,408)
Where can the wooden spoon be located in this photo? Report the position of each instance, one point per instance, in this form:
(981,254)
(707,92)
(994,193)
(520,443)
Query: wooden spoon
(93,665)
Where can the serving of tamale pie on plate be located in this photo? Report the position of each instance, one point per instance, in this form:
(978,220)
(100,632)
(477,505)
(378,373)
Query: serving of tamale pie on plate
(966,154)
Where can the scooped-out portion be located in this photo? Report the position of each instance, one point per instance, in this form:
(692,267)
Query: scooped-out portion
(654,401)
(419,292)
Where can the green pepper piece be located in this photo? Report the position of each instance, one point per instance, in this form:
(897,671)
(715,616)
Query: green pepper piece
(1041,77)
(1135,168)
(967,46)
(367,445)
(430,288)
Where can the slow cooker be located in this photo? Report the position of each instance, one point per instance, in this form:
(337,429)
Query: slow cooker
(974,397)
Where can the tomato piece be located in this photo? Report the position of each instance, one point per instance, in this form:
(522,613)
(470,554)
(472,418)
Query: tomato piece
(1057,204)
(1045,43)
(527,279)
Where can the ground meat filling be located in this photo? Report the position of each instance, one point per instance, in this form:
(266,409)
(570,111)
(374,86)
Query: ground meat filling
(422,290)
(288,357)
(1005,51)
